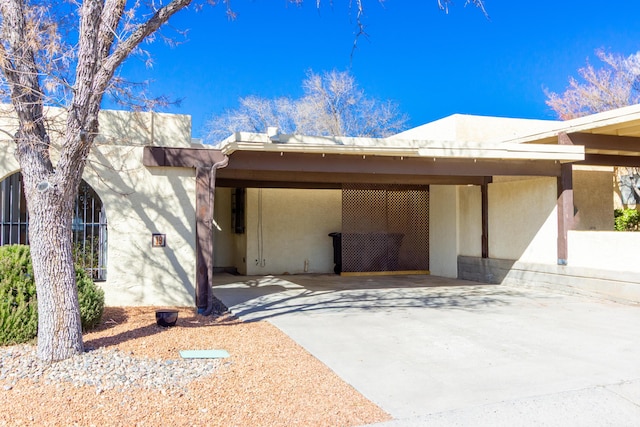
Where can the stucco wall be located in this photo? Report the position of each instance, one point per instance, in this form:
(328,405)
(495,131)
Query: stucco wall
(116,127)
(604,250)
(593,188)
(464,127)
(443,232)
(140,201)
(470,220)
(523,219)
(287,231)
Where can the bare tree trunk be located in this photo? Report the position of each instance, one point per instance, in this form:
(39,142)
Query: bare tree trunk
(51,192)
(59,325)
(50,203)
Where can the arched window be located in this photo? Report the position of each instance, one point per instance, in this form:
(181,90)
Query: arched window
(89,224)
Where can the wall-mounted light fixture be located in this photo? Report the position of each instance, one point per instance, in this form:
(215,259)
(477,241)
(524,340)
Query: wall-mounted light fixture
(158,240)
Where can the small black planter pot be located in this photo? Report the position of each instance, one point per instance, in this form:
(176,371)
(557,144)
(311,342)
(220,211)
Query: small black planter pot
(166,318)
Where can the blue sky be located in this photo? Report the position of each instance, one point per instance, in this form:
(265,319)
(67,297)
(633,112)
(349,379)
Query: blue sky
(430,63)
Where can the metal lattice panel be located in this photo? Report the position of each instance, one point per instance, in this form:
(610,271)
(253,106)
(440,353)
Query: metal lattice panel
(385,229)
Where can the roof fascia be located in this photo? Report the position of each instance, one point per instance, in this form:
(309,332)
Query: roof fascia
(435,149)
(584,124)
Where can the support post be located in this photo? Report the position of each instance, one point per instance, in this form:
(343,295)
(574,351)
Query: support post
(205,194)
(204,237)
(565,204)
(484,191)
(565,211)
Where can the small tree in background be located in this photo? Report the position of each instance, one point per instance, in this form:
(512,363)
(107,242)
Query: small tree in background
(615,85)
(332,105)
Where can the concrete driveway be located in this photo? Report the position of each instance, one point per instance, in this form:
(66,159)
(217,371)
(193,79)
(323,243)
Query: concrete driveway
(437,351)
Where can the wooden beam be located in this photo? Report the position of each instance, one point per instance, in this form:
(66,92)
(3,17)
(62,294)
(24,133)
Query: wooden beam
(610,160)
(182,157)
(612,143)
(261,183)
(287,179)
(365,164)
(342,163)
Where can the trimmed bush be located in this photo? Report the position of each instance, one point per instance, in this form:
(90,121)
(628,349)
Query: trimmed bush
(91,299)
(18,300)
(626,219)
(18,305)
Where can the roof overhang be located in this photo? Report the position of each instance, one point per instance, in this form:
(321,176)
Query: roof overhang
(623,122)
(431,149)
(257,160)
(609,139)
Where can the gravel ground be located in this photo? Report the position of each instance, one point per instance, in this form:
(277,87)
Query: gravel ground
(132,374)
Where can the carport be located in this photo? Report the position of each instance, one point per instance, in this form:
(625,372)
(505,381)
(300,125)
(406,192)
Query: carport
(249,160)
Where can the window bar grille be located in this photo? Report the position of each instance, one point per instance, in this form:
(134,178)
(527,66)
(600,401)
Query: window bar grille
(102,255)
(11,208)
(94,267)
(3,192)
(89,224)
(11,222)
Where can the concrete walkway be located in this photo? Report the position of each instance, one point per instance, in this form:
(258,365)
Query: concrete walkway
(434,351)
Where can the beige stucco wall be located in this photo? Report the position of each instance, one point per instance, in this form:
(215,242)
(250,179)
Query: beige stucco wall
(289,229)
(443,231)
(523,219)
(593,188)
(604,250)
(470,220)
(464,127)
(116,127)
(139,201)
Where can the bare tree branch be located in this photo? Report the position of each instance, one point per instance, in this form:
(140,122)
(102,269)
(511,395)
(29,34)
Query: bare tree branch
(124,49)
(332,105)
(614,85)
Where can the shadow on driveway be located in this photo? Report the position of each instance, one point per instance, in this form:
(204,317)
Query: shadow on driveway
(421,345)
(261,298)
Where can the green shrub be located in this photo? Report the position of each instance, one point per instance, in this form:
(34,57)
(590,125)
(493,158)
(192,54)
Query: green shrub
(18,301)
(626,219)
(91,299)
(18,305)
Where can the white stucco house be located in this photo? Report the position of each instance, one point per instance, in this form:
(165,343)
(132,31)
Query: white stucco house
(501,200)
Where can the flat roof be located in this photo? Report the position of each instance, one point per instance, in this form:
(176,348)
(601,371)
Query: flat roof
(394,147)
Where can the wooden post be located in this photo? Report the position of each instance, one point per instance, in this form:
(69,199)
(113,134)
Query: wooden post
(565,204)
(204,239)
(484,190)
(565,211)
(206,162)
(205,195)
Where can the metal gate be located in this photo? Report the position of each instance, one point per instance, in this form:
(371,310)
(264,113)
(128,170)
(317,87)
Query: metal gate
(89,224)
(385,228)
